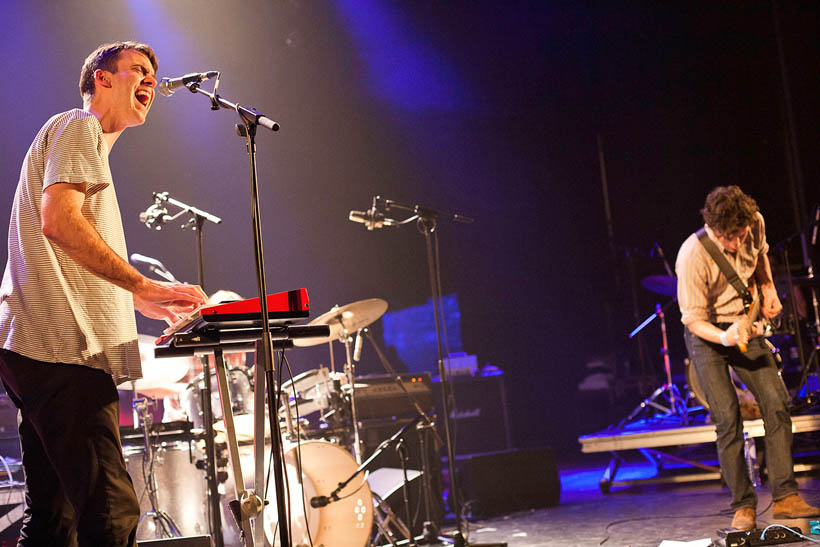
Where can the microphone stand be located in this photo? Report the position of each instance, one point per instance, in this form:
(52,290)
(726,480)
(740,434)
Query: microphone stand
(251,119)
(426,219)
(197,222)
(321,501)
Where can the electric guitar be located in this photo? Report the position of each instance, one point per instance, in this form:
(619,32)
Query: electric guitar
(752,313)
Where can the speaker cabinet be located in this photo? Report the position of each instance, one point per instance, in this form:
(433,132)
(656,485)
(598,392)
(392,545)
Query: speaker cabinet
(497,484)
(480,419)
(190,541)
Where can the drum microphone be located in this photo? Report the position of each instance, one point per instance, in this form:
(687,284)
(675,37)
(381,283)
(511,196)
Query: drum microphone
(357,347)
(318,502)
(168,86)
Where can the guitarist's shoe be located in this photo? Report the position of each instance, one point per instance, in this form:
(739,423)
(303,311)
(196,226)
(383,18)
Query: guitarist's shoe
(794,507)
(744,519)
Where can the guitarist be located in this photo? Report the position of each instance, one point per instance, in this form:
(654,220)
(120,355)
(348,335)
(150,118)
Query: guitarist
(717,333)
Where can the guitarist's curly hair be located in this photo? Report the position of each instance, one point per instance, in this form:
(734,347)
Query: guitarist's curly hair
(728,209)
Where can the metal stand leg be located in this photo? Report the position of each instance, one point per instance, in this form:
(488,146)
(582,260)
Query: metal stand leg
(750,452)
(164,525)
(385,517)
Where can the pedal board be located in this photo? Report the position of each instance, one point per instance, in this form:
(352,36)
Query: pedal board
(773,536)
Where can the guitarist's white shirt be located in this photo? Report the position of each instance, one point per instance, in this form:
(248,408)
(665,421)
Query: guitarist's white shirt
(704,294)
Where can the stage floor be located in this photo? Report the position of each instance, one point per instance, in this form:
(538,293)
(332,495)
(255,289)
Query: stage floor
(636,516)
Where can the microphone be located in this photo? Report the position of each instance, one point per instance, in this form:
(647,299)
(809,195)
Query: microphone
(321,501)
(357,347)
(371,218)
(154,216)
(154,265)
(168,86)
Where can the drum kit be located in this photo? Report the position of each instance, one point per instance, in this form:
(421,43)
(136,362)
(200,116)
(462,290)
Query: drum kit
(321,440)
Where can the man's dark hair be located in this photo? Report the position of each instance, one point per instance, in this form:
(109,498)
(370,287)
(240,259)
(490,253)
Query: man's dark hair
(105,57)
(728,209)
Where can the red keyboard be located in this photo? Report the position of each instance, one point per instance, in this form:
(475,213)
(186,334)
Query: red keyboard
(283,307)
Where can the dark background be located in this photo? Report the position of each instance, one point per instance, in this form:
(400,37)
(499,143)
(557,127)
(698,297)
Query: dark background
(491,109)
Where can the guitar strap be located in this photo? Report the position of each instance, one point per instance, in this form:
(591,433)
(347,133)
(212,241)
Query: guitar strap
(728,271)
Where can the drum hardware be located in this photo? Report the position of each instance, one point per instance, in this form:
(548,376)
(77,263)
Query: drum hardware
(385,518)
(164,525)
(811,365)
(343,321)
(232,327)
(667,398)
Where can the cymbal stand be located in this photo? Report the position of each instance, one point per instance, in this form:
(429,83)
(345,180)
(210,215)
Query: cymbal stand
(667,398)
(350,373)
(164,525)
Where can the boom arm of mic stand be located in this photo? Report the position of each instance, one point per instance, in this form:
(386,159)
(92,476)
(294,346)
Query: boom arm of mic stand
(249,115)
(425,212)
(187,208)
(376,453)
(392,372)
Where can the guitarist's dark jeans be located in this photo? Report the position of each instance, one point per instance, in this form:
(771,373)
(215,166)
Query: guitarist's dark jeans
(758,370)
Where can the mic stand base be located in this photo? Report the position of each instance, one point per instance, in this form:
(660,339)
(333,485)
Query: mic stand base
(457,541)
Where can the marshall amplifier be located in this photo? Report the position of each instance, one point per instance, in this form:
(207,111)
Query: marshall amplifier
(480,418)
(382,397)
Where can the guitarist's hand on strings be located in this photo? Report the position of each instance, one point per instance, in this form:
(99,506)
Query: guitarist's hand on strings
(740,332)
(771,302)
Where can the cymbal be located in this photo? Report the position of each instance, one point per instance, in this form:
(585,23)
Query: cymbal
(661,284)
(352,317)
(158,373)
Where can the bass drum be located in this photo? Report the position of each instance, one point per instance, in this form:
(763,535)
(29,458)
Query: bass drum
(344,523)
(749,409)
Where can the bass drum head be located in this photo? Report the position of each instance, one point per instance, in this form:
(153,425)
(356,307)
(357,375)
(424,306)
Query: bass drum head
(344,523)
